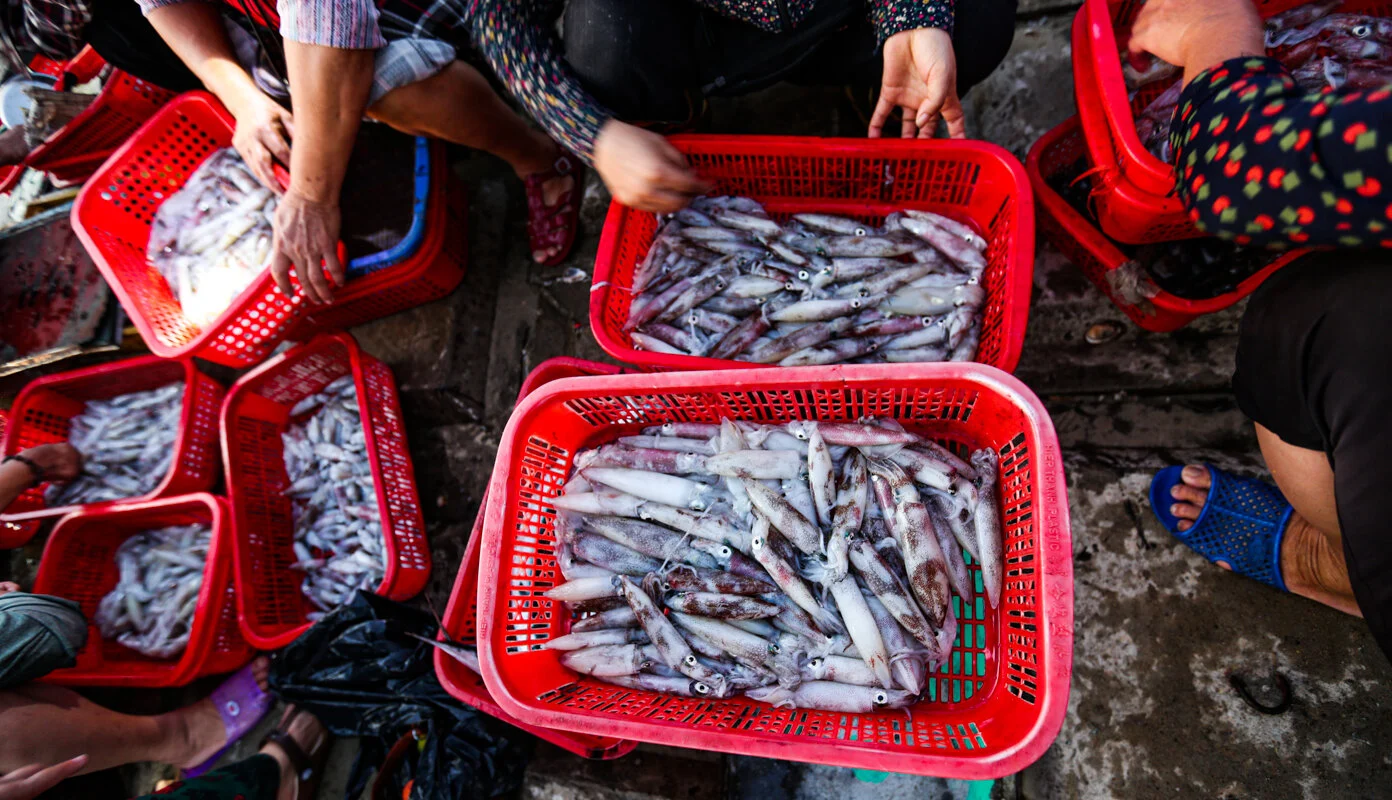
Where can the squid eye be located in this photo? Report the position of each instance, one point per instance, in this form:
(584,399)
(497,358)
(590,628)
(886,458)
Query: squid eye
(699,688)
(815,663)
(725,552)
(803,275)
(775,649)
(863,293)
(855,303)
(859,231)
(1362,31)
(757,541)
(790,286)
(692,319)
(881,698)
(925,321)
(690,661)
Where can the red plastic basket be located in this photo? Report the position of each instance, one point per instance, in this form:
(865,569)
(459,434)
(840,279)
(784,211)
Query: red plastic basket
(1143,210)
(1125,211)
(79,564)
(1078,238)
(432,272)
(461,614)
(257,409)
(73,153)
(996,707)
(112,216)
(44,409)
(974,182)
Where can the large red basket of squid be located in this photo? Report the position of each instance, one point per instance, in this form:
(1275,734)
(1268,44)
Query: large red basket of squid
(994,708)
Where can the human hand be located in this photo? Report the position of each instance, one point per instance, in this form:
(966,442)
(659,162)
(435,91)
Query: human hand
(5,588)
(920,77)
(59,461)
(1197,34)
(32,780)
(263,134)
(306,236)
(643,170)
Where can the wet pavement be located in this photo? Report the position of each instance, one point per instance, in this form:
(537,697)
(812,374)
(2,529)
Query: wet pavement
(1160,633)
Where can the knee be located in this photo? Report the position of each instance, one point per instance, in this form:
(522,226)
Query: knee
(408,108)
(598,38)
(984,32)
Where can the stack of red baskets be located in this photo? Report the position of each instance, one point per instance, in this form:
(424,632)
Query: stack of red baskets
(1133,198)
(74,152)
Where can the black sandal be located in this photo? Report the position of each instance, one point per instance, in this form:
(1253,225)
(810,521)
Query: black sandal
(308,766)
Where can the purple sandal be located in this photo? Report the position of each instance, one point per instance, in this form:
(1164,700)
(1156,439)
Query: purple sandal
(241,704)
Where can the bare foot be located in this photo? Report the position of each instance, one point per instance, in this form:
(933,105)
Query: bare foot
(1312,563)
(306,731)
(203,733)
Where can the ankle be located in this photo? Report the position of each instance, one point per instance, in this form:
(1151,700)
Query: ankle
(179,740)
(1312,566)
(289,781)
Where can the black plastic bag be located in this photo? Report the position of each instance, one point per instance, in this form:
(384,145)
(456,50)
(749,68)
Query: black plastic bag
(362,674)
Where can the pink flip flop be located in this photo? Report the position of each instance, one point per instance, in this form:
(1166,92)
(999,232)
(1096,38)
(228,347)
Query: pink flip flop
(241,704)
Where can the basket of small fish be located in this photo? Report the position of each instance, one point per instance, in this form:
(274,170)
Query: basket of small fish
(852,565)
(154,580)
(182,231)
(822,251)
(1147,283)
(1325,44)
(146,428)
(322,489)
(456,658)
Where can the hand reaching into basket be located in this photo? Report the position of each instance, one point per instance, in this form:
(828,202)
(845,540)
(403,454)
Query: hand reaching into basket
(643,170)
(263,134)
(1197,34)
(306,236)
(920,77)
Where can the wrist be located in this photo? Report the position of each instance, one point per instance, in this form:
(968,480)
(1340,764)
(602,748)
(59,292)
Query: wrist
(1219,39)
(21,464)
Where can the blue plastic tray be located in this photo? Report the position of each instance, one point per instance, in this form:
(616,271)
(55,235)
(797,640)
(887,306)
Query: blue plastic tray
(366,265)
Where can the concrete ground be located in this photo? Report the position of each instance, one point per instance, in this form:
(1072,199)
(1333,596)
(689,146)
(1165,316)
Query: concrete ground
(1158,630)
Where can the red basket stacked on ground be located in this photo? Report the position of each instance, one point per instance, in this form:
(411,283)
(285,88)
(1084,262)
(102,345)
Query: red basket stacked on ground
(973,182)
(43,412)
(73,153)
(460,621)
(1078,238)
(1136,203)
(991,712)
(272,609)
(79,564)
(112,217)
(433,271)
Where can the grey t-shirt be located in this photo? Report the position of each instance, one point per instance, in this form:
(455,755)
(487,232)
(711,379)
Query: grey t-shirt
(38,634)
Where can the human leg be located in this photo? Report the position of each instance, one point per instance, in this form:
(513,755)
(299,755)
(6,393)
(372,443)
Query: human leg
(637,57)
(1311,373)
(458,104)
(71,725)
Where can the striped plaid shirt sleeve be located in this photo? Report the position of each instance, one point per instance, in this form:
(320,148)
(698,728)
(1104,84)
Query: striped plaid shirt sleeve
(346,24)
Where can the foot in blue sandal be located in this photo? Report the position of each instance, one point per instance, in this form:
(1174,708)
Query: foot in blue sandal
(238,704)
(1237,523)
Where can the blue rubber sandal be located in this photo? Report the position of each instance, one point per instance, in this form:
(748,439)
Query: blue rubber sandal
(1242,522)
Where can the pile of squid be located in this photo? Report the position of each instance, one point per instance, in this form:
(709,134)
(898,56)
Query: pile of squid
(151,608)
(212,238)
(810,565)
(1320,48)
(127,446)
(337,525)
(725,280)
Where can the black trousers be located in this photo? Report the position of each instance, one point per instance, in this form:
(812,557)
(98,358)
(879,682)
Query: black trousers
(1314,366)
(646,59)
(127,41)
